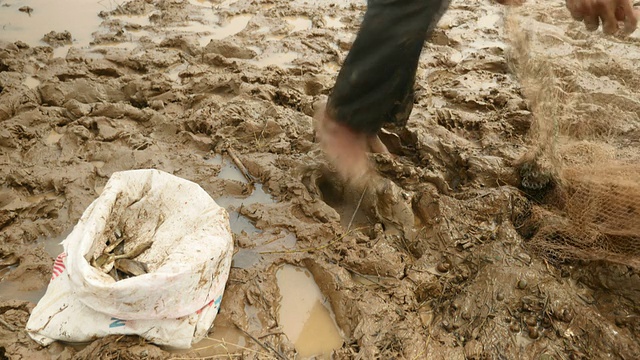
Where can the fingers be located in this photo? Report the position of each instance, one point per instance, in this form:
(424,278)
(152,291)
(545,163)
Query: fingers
(630,16)
(592,12)
(606,11)
(591,22)
(575,10)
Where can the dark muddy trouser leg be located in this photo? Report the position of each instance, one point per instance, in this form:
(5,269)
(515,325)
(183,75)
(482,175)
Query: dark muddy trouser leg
(375,84)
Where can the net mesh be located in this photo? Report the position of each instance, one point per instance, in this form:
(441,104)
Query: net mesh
(590,207)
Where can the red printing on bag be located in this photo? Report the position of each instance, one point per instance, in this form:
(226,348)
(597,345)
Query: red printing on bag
(58,266)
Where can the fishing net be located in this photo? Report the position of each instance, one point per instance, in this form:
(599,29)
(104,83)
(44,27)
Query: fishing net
(582,168)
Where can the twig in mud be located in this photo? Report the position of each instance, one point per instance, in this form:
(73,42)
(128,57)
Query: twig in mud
(367,277)
(263,345)
(240,165)
(221,343)
(313,46)
(7,325)
(311,249)
(273,333)
(357,208)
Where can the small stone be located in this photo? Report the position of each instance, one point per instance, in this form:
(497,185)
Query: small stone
(156,105)
(447,325)
(525,257)
(26,9)
(514,327)
(567,315)
(443,267)
(522,284)
(500,296)
(533,332)
(531,321)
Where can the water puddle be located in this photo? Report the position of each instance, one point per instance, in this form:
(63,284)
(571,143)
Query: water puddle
(209,4)
(5,269)
(488,21)
(274,37)
(53,137)
(246,258)
(191,27)
(333,22)
(141,20)
(53,245)
(233,204)
(221,341)
(174,73)
(282,60)
(18,290)
(227,340)
(233,26)
(13,290)
(298,23)
(79,17)
(254,324)
(305,315)
(265,244)
(31,82)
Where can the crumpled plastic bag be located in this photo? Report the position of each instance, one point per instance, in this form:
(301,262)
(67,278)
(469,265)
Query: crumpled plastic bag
(188,262)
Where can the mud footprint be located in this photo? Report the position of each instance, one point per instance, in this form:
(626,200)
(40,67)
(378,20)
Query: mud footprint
(379,201)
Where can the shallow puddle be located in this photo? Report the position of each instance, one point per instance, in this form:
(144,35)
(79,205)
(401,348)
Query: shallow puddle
(221,341)
(12,290)
(298,23)
(53,137)
(174,73)
(31,82)
(53,245)
(305,315)
(282,60)
(232,204)
(489,21)
(233,26)
(142,20)
(79,17)
(333,22)
(265,244)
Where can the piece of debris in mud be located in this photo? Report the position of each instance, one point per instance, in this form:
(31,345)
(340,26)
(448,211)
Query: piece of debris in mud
(57,39)
(118,264)
(26,9)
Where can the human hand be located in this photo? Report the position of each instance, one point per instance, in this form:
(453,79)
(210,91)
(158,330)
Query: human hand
(345,148)
(607,11)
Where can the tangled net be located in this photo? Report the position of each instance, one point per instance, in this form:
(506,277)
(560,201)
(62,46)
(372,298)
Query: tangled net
(590,209)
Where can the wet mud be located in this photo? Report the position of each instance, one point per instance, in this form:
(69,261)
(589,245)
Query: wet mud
(428,262)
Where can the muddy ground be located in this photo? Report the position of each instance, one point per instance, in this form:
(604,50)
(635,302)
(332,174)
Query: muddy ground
(431,266)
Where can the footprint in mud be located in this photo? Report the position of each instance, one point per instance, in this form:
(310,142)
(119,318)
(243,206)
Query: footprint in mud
(380,200)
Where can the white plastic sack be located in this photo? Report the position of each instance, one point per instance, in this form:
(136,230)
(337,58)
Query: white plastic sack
(175,303)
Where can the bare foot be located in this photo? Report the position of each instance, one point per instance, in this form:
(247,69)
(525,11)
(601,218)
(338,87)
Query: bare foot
(346,149)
